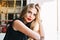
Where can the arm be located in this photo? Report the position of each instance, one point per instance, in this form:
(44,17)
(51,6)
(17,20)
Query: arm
(41,32)
(19,26)
(38,28)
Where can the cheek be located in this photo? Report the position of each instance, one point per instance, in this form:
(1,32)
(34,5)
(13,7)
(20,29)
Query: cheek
(33,17)
(27,15)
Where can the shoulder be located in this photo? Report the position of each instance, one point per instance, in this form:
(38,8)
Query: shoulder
(16,20)
(17,24)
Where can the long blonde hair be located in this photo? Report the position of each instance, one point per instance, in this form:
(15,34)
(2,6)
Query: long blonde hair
(24,11)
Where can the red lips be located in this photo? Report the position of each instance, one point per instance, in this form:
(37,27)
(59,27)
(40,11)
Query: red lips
(29,19)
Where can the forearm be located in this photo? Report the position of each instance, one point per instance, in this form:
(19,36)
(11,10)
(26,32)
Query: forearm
(24,29)
(41,35)
(41,32)
(31,34)
(34,35)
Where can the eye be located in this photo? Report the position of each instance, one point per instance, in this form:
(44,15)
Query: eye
(35,14)
(29,12)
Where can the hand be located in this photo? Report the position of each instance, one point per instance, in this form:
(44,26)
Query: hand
(42,38)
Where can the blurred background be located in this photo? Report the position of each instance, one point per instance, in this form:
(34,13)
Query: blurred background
(10,9)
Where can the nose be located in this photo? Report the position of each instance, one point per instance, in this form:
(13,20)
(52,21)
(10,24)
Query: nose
(31,16)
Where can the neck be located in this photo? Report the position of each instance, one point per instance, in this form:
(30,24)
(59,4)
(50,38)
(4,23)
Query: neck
(24,21)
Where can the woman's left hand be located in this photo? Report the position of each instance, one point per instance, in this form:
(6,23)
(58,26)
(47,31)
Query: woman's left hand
(42,38)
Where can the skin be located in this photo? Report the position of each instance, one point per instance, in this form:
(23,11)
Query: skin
(39,30)
(28,17)
(31,15)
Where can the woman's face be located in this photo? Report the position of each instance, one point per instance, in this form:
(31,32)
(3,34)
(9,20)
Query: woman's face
(30,15)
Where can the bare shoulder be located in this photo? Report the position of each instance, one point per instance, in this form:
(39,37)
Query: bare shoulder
(16,21)
(17,24)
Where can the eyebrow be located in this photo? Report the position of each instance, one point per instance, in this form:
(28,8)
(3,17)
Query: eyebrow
(30,11)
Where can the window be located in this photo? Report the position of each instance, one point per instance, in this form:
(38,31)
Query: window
(24,3)
(18,3)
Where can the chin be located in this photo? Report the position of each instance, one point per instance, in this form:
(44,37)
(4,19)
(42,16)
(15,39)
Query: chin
(29,21)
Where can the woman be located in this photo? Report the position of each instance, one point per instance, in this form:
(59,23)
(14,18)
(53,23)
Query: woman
(36,25)
(20,29)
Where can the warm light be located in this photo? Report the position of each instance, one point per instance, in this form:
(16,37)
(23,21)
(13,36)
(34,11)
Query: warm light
(3,7)
(0,7)
(14,5)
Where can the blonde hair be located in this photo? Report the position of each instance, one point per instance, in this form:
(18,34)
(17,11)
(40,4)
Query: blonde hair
(24,11)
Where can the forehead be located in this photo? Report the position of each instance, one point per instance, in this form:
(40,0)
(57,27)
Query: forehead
(33,10)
